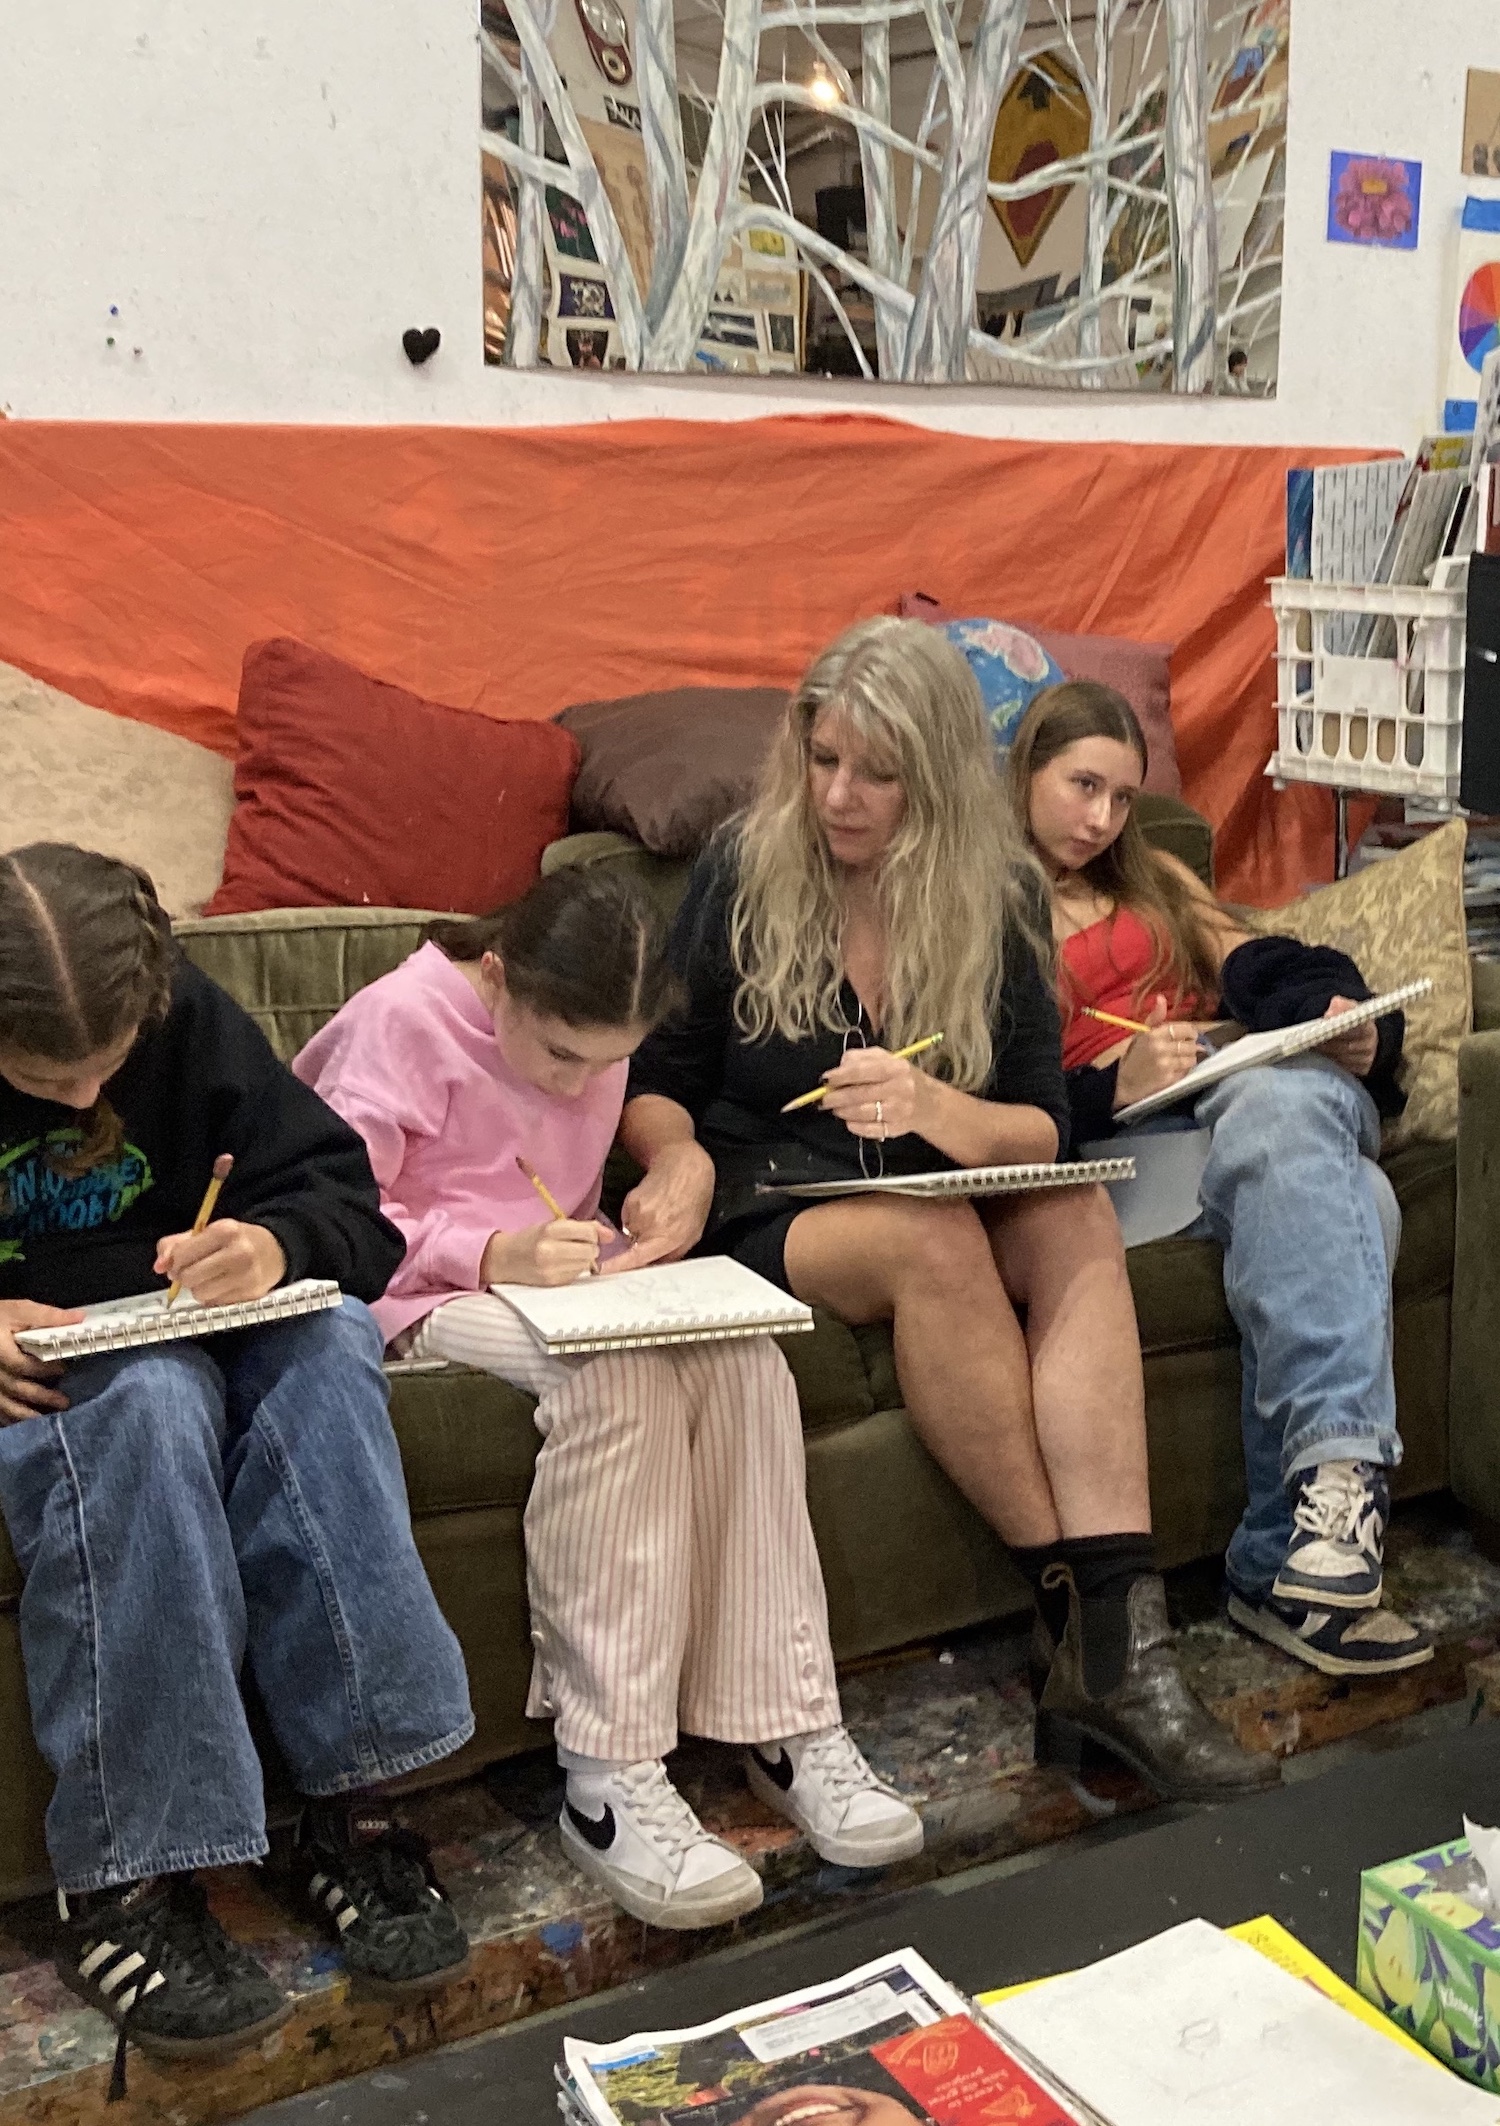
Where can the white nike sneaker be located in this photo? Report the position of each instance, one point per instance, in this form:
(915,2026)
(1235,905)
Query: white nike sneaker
(822,1784)
(636,1836)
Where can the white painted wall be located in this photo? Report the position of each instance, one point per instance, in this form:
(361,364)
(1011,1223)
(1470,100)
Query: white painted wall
(269,193)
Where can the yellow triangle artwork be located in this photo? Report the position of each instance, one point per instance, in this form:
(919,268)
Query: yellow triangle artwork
(1043,118)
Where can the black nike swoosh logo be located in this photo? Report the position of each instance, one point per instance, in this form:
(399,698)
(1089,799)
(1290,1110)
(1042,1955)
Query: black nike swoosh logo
(781,1772)
(597,1831)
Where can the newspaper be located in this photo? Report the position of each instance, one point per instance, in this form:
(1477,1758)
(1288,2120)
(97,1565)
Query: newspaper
(858,2043)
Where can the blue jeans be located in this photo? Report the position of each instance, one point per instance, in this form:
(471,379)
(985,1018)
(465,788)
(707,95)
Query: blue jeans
(1310,1227)
(197,1503)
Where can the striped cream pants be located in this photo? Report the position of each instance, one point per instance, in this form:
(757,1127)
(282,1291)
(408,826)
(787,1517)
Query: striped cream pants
(669,1557)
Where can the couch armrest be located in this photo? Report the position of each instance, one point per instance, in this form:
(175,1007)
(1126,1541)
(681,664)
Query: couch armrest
(664,878)
(1474,1376)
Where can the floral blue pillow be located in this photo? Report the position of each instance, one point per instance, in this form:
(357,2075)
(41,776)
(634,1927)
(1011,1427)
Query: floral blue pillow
(1011,667)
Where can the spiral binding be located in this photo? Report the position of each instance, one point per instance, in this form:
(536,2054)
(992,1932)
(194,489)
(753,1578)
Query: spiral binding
(128,1331)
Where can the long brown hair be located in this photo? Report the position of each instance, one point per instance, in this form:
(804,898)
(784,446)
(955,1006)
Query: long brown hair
(583,945)
(1129,873)
(958,886)
(85,956)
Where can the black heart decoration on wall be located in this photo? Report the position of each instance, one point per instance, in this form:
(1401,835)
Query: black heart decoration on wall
(420,345)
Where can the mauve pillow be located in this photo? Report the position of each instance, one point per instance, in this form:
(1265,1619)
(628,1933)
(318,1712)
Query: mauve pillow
(351,792)
(1138,670)
(669,768)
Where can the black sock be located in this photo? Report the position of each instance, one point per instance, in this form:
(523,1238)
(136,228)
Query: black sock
(1104,1569)
(1051,1602)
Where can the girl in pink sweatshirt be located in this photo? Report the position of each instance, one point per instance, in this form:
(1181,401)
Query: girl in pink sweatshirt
(670,1561)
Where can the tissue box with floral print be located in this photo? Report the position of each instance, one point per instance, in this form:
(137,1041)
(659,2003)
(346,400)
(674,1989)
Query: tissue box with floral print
(1429,1956)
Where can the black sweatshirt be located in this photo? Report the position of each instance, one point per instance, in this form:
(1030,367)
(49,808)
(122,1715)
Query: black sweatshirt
(1266,983)
(734,1088)
(201,1082)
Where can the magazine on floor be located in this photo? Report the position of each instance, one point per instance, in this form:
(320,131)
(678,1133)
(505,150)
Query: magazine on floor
(889,2044)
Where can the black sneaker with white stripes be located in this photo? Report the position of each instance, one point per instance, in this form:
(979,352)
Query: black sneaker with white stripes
(372,1885)
(153,1958)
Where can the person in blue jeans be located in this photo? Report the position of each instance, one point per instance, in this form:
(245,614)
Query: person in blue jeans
(1290,1186)
(187,1510)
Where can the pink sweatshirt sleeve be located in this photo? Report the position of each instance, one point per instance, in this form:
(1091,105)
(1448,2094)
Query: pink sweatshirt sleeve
(442,1252)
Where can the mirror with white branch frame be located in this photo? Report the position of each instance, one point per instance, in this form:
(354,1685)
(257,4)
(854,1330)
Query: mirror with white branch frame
(1079,194)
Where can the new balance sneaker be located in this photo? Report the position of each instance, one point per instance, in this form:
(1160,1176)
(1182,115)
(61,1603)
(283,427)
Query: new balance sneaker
(1366,1642)
(153,1958)
(1338,1536)
(632,1832)
(822,1784)
(371,1884)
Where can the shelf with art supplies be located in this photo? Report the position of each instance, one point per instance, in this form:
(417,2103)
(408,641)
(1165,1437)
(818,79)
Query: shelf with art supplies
(1192,2024)
(1384,622)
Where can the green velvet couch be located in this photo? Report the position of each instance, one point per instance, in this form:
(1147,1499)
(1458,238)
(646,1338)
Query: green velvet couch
(904,1556)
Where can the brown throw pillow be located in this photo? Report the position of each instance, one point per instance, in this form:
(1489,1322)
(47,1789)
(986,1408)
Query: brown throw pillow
(669,768)
(1398,920)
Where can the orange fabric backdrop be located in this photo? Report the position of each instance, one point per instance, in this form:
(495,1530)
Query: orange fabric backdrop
(515,571)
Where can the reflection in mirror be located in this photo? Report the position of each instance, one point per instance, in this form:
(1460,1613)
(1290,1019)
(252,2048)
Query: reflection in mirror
(1084,194)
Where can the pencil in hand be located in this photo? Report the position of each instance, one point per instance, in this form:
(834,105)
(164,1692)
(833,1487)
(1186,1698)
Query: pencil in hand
(900,1055)
(217,1180)
(551,1202)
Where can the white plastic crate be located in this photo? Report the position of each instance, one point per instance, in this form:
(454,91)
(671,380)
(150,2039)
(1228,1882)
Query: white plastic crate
(1390,723)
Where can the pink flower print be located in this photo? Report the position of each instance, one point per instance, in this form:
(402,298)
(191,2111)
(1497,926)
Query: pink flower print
(1373,203)
(1026,658)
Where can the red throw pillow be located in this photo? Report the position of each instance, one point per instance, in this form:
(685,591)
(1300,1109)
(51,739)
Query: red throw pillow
(353,793)
(1138,670)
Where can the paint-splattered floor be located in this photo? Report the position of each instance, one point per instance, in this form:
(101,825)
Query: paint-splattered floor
(949,1724)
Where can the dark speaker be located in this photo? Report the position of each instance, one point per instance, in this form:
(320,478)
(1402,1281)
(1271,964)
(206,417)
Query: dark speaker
(1479,779)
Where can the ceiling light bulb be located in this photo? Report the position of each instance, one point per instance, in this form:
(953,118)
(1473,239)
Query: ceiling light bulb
(822,87)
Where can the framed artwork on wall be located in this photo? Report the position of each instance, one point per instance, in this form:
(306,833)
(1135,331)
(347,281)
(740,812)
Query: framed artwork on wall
(1074,194)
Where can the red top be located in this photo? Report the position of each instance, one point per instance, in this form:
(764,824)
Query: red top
(1106,965)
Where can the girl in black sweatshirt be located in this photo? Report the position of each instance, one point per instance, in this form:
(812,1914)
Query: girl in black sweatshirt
(180,1506)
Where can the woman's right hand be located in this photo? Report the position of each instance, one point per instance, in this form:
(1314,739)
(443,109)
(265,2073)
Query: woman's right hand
(559,1252)
(24,1390)
(1152,1061)
(665,1213)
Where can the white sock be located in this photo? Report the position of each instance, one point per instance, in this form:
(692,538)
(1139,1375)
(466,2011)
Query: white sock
(594,1769)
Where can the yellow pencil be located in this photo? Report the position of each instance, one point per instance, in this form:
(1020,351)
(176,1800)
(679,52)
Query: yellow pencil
(917,1048)
(549,1199)
(217,1180)
(541,1188)
(1108,1018)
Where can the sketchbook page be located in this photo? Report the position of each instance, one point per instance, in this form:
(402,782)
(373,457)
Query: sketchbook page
(713,1291)
(962,1180)
(1161,1197)
(1194,2026)
(146,1318)
(1272,1047)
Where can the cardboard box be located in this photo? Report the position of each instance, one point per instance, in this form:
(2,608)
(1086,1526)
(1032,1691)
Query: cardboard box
(1429,1956)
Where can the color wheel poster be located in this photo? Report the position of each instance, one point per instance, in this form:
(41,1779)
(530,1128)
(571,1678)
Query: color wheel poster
(1476,325)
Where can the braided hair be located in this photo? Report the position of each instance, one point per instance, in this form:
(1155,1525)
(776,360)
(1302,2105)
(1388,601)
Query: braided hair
(85,956)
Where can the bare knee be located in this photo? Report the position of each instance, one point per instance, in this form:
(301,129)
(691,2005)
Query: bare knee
(1070,1230)
(941,1246)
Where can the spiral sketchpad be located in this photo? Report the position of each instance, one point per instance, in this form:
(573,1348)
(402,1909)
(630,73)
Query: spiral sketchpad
(1429,1956)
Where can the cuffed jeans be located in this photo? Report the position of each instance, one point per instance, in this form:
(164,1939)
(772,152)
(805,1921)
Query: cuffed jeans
(1310,1227)
(197,1503)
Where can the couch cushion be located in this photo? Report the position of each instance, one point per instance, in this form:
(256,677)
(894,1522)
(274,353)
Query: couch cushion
(292,968)
(353,793)
(668,768)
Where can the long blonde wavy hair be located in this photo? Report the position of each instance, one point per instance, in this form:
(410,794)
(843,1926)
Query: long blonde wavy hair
(956,887)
